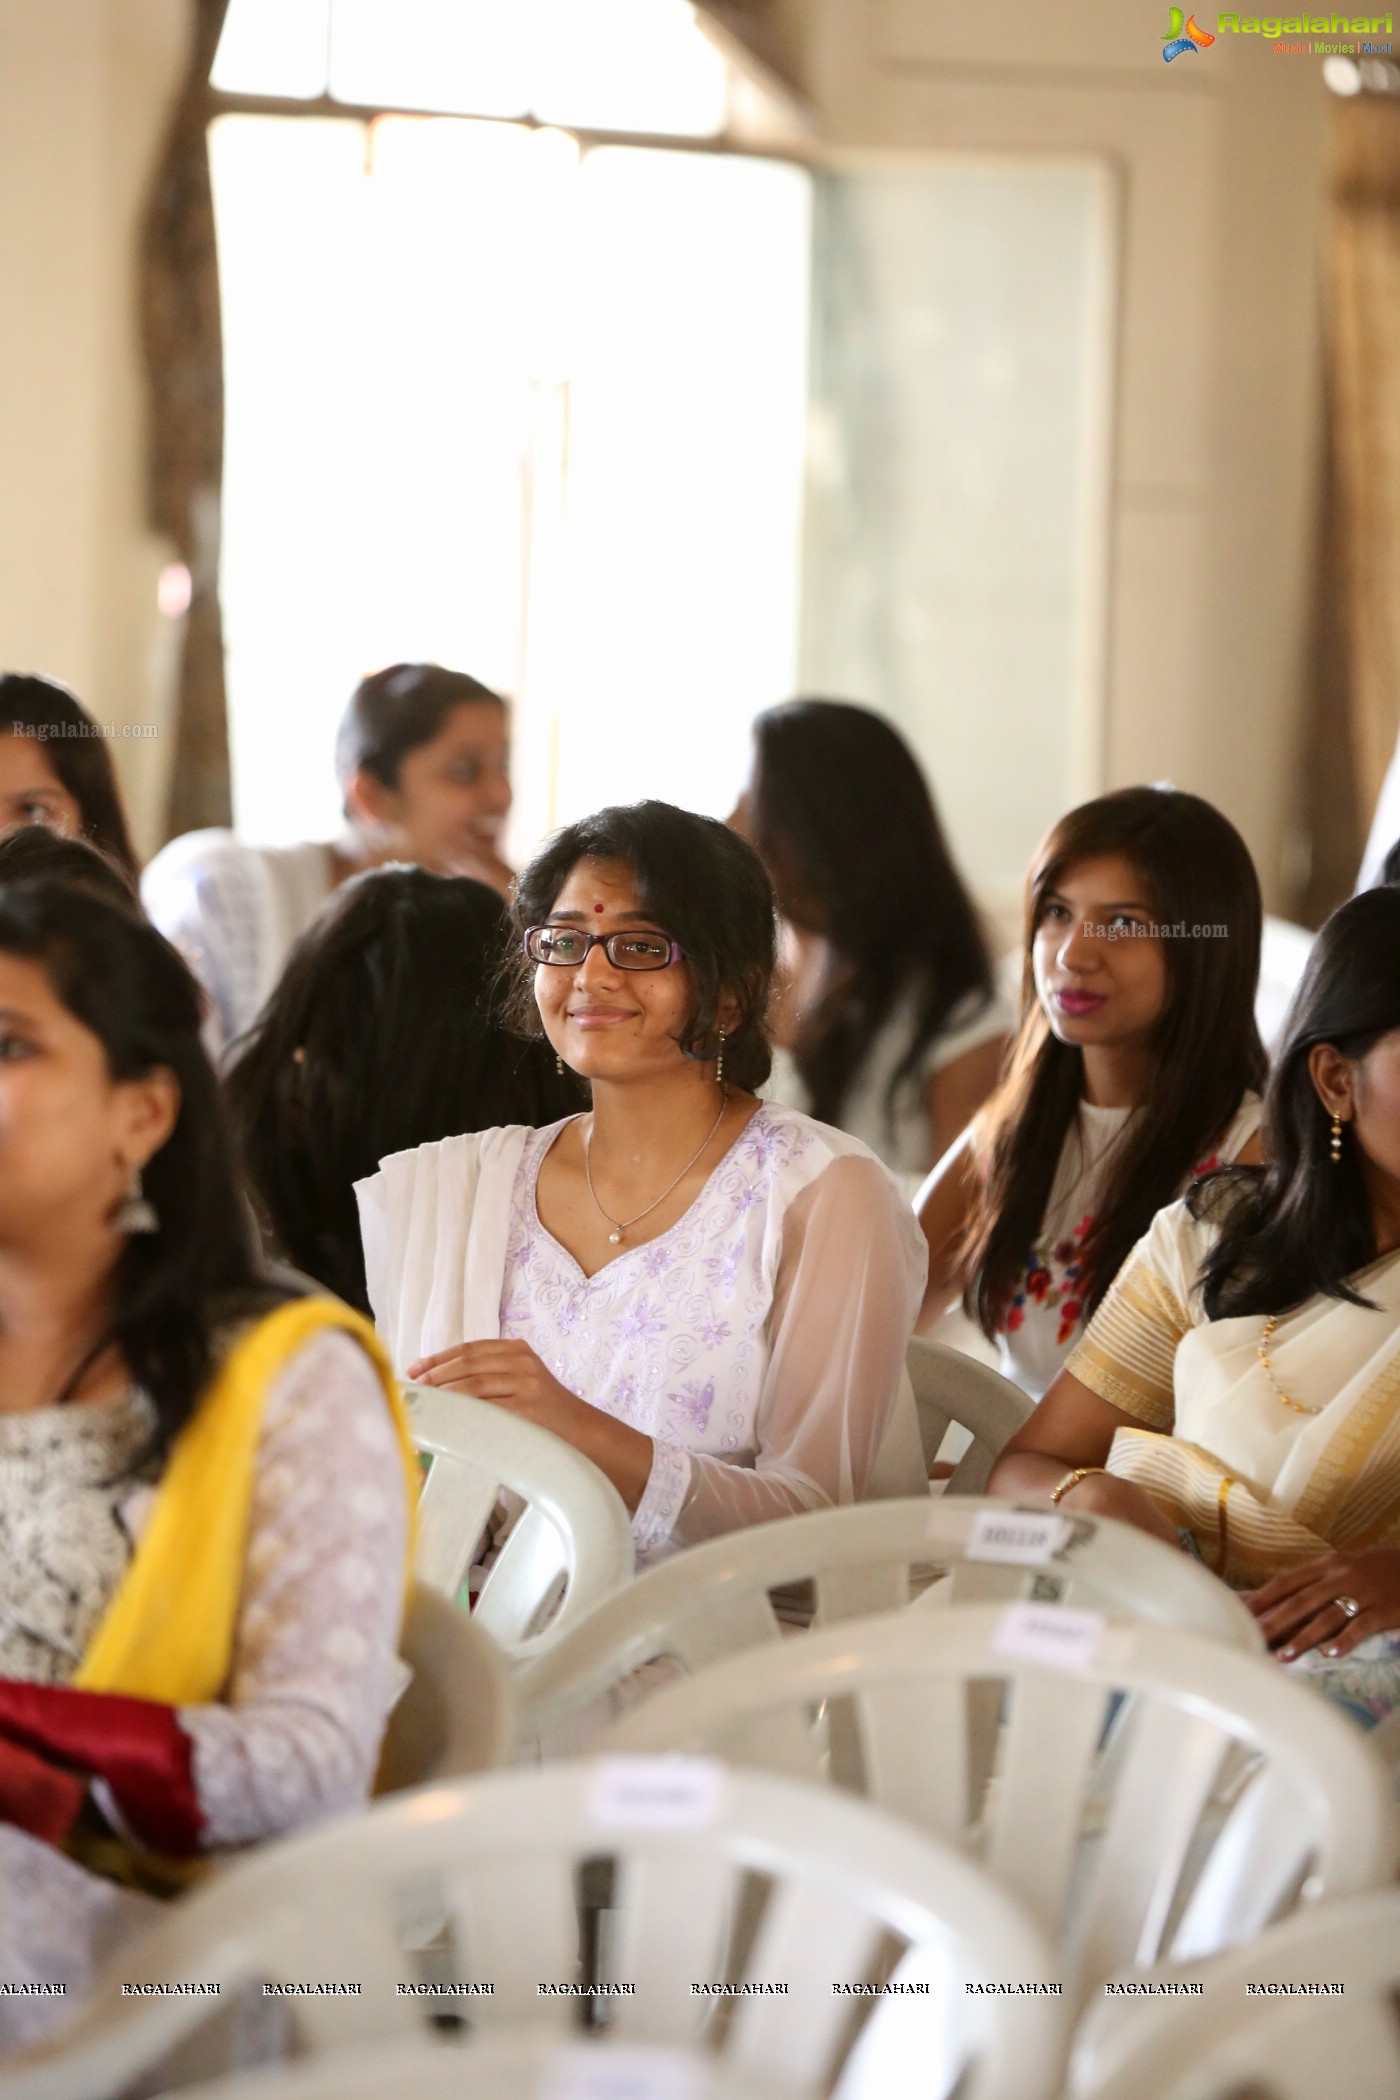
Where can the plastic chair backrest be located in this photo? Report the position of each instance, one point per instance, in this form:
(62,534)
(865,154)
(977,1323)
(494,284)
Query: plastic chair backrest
(1227,2044)
(1224,1792)
(950,1387)
(515,2067)
(569,1546)
(456,1715)
(715,1878)
(715,1600)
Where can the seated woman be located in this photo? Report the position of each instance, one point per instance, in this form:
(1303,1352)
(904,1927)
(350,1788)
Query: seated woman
(206,1485)
(422,756)
(384,1033)
(1136,1065)
(56,769)
(1239,1386)
(708,1296)
(890,1026)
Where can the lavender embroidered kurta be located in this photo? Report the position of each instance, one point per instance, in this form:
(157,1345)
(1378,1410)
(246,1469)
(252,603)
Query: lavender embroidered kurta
(759,1342)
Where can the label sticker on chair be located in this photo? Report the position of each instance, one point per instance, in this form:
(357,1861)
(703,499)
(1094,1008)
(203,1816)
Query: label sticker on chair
(656,1793)
(596,2073)
(1049,1633)
(1027,1537)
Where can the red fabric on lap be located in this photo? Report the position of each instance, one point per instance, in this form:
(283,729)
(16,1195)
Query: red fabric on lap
(136,1746)
(37,1796)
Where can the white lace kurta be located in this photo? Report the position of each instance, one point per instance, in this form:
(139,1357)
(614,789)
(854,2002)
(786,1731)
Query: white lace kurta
(297,1735)
(759,1342)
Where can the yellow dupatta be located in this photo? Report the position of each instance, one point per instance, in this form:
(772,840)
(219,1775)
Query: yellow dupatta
(169,1632)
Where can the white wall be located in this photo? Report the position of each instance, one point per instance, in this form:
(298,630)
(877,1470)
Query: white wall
(1219,162)
(84,89)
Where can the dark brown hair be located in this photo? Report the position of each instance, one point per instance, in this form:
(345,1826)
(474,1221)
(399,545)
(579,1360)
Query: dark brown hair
(72,744)
(844,820)
(1301,1225)
(395,711)
(1206,1053)
(704,887)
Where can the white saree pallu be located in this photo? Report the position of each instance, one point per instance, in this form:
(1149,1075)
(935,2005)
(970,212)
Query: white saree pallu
(758,1342)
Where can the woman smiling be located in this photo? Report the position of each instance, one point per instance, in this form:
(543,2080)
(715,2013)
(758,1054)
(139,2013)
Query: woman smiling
(708,1296)
(1137,1064)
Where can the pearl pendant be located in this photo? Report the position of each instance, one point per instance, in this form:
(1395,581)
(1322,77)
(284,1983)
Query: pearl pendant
(614,1239)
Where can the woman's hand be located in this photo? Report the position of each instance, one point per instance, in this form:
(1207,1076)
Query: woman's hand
(1299,1610)
(1104,1495)
(510,1375)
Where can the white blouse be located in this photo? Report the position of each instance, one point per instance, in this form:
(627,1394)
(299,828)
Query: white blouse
(297,1733)
(759,1342)
(1045,1320)
(234,911)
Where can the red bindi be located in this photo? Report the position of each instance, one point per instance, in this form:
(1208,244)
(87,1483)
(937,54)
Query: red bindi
(597,907)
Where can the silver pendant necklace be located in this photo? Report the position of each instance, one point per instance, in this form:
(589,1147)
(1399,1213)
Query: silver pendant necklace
(622,1225)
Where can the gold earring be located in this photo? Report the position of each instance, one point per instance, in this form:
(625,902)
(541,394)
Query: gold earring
(559,1064)
(1335,1148)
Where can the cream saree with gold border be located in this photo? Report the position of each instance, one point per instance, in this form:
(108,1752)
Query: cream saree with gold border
(1260,1485)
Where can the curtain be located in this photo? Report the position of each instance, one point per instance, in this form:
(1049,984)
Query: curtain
(183,344)
(1356,684)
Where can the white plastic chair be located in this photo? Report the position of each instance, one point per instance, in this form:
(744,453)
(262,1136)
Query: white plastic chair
(715,1600)
(570,1546)
(952,1388)
(1227,1794)
(456,1714)
(1226,2045)
(824,1891)
(516,2067)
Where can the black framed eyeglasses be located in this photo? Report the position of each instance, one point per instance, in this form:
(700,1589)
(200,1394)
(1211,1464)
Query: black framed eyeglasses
(567,947)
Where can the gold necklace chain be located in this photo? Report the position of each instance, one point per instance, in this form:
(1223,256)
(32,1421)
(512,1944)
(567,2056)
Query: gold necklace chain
(621,1225)
(1265,1338)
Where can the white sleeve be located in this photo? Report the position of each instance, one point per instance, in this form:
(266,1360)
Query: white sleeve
(298,1733)
(204,893)
(850,1281)
(973,1021)
(1385,826)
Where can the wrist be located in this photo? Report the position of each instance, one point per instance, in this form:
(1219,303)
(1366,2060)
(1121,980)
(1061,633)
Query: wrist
(1073,1479)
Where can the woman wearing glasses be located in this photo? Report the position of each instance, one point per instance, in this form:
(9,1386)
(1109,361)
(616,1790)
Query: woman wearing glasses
(708,1296)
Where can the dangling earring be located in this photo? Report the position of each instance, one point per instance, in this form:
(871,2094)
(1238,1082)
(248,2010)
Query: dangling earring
(719,1063)
(135,1213)
(559,1064)
(1335,1148)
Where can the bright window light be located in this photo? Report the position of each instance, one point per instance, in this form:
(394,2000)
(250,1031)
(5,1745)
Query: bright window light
(470,55)
(627,65)
(605,65)
(532,414)
(273,47)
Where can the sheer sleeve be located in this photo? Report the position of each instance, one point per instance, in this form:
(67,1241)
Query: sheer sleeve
(202,892)
(314,1663)
(849,1282)
(1128,1353)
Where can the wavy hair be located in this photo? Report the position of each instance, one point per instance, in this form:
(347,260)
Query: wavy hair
(1205,1053)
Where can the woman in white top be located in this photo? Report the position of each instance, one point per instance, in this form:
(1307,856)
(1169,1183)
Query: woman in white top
(708,1296)
(1137,1065)
(205,1485)
(891,1025)
(423,760)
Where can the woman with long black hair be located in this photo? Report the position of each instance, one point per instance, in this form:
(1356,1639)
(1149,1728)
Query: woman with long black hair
(1239,1386)
(1137,1064)
(889,1024)
(206,1483)
(56,770)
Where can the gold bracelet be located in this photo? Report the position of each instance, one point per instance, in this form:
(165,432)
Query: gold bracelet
(1073,1479)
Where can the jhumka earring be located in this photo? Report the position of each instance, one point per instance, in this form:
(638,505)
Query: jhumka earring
(135,1213)
(719,1063)
(1335,1147)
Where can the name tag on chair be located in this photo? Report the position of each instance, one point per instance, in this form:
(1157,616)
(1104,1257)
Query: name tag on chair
(1025,1537)
(1049,1633)
(657,1793)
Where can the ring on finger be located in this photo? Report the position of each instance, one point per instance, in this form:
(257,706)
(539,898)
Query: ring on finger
(1347,1605)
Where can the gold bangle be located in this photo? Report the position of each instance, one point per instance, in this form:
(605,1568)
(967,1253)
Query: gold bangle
(1073,1479)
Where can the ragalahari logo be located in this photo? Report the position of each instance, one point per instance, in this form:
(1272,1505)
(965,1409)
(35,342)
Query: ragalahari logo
(1175,41)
